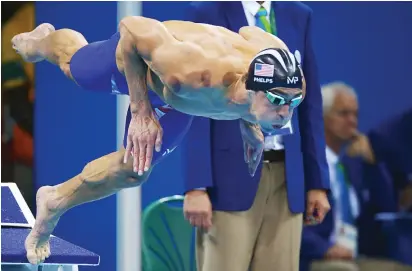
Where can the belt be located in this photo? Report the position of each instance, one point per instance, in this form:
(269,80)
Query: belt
(273,156)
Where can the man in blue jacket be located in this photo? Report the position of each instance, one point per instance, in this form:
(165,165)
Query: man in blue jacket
(392,145)
(257,221)
(350,238)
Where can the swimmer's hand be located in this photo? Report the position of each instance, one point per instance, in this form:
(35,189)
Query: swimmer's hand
(253,141)
(143,135)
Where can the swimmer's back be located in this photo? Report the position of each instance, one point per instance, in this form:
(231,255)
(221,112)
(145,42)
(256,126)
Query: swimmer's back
(215,40)
(94,66)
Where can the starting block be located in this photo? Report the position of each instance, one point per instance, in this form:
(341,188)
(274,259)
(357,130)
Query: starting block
(16,223)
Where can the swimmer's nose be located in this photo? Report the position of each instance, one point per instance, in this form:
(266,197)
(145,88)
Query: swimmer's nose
(283,111)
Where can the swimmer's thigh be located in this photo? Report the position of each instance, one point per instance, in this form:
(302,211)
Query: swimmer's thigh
(94,65)
(175,126)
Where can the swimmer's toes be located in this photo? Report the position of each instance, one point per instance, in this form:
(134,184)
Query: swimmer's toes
(26,44)
(32,256)
(42,254)
(16,40)
(36,253)
(44,250)
(47,250)
(24,47)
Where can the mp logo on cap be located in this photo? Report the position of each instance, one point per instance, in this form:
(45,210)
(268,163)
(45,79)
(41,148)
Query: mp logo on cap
(292,80)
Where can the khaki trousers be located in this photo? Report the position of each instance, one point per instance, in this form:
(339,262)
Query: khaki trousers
(264,238)
(362,264)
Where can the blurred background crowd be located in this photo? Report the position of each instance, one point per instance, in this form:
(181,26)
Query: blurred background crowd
(364,59)
(17,107)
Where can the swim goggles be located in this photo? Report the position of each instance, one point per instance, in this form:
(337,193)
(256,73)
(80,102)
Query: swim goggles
(278,99)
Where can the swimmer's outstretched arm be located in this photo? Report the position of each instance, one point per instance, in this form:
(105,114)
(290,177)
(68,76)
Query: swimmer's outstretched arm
(144,131)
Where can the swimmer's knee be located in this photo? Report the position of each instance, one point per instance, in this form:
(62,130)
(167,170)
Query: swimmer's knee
(63,44)
(122,174)
(130,179)
(110,170)
(65,33)
(126,178)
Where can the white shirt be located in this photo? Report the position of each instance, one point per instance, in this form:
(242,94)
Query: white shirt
(273,142)
(332,159)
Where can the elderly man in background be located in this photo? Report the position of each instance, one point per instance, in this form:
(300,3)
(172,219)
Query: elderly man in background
(257,221)
(349,238)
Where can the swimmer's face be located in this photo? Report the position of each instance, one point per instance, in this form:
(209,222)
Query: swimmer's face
(274,108)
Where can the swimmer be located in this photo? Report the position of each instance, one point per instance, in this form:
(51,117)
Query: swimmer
(191,69)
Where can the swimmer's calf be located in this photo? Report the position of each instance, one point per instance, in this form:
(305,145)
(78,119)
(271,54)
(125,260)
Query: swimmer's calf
(99,179)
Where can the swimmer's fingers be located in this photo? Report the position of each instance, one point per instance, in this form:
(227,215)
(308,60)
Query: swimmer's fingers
(159,139)
(149,156)
(142,155)
(136,153)
(128,151)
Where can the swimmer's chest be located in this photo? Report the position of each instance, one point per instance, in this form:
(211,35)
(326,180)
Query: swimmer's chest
(206,102)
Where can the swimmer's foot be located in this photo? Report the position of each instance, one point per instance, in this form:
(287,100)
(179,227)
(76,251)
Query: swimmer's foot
(37,242)
(27,44)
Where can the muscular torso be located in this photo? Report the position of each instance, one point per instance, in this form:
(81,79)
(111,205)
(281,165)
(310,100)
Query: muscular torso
(195,67)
